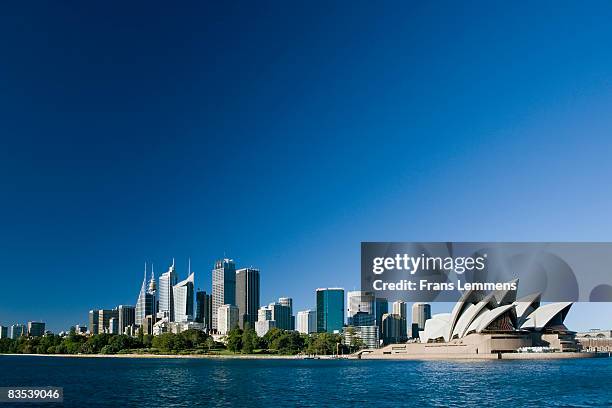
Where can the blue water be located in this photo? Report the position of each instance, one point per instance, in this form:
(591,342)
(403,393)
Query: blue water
(101,382)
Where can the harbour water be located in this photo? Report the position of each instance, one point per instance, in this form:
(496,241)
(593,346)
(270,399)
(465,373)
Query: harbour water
(135,382)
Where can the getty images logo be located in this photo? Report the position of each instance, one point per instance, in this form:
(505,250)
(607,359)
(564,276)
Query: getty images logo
(412,264)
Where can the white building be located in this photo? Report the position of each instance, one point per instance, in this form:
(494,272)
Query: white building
(264,321)
(306,321)
(17,330)
(367,334)
(166,300)
(227,318)
(359,301)
(183,299)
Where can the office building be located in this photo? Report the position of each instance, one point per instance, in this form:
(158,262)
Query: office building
(184,299)
(393,328)
(223,286)
(147,300)
(247,296)
(382,306)
(228,318)
(288,302)
(36,329)
(167,281)
(330,310)
(421,312)
(400,308)
(4,332)
(113,325)
(307,321)
(367,334)
(17,330)
(93,321)
(127,317)
(281,314)
(203,312)
(362,319)
(80,329)
(104,316)
(360,302)
(264,321)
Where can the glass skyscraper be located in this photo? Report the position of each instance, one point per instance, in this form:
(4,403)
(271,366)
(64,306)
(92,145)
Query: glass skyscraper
(247,296)
(330,310)
(183,299)
(223,286)
(166,300)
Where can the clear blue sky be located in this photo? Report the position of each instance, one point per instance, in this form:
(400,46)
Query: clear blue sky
(284,134)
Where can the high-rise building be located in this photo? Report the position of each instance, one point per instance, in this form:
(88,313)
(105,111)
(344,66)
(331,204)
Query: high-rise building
(183,299)
(288,302)
(264,321)
(4,332)
(223,286)
(167,280)
(393,328)
(360,301)
(104,316)
(113,325)
(400,308)
(382,307)
(17,330)
(247,296)
(421,312)
(362,319)
(36,329)
(228,318)
(306,321)
(330,310)
(127,317)
(281,314)
(93,321)
(367,334)
(203,309)
(147,300)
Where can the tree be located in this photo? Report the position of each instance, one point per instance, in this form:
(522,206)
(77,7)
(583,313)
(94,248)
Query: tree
(355,343)
(210,343)
(234,340)
(194,338)
(249,341)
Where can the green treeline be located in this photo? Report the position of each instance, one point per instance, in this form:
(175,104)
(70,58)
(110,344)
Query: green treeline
(246,341)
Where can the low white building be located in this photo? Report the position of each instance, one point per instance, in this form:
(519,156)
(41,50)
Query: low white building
(306,321)
(227,318)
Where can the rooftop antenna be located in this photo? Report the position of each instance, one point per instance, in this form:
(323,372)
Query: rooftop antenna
(172,262)
(145,271)
(189,271)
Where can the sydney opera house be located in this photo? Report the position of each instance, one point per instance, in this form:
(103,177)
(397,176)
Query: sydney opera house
(490,325)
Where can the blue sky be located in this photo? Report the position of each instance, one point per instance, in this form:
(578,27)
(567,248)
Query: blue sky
(283,135)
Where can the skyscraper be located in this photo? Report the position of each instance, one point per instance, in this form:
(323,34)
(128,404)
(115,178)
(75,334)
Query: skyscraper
(166,300)
(4,333)
(17,330)
(203,309)
(36,329)
(127,317)
(400,308)
(382,307)
(287,301)
(330,309)
(223,286)
(281,314)
(421,312)
(359,301)
(306,321)
(93,321)
(228,318)
(146,303)
(247,296)
(393,328)
(183,299)
(104,316)
(264,321)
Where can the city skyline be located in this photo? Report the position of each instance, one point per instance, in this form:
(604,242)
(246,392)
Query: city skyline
(136,140)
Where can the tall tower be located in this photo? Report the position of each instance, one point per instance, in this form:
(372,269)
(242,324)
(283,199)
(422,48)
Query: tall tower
(223,287)
(330,309)
(247,296)
(141,303)
(183,293)
(166,300)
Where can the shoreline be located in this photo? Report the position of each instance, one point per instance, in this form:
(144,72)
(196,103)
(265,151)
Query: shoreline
(178,356)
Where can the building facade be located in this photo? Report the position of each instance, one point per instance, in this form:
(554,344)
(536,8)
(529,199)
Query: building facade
(203,312)
(306,321)
(382,307)
(228,318)
(167,280)
(288,302)
(184,299)
(393,328)
(359,302)
(127,317)
(281,314)
(247,296)
(330,310)
(223,286)
(421,312)
(147,300)
(264,321)
(17,330)
(4,332)
(104,316)
(36,329)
